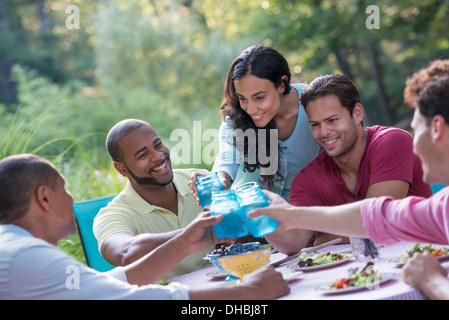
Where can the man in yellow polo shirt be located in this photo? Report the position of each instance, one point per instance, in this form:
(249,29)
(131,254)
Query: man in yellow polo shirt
(155,204)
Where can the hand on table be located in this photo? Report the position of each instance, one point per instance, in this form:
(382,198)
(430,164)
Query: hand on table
(425,273)
(265,283)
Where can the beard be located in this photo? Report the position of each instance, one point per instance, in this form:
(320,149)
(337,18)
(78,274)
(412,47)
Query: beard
(347,143)
(346,147)
(149,181)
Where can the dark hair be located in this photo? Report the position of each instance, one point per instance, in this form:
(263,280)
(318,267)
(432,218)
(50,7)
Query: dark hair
(260,61)
(434,99)
(334,84)
(265,63)
(119,131)
(20,176)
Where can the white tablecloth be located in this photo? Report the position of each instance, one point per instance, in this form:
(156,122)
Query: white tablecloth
(304,286)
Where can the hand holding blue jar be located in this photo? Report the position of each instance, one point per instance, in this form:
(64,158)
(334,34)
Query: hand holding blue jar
(205,185)
(251,197)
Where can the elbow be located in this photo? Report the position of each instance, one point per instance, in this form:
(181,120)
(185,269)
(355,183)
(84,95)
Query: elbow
(124,250)
(118,257)
(288,250)
(290,242)
(130,255)
(126,259)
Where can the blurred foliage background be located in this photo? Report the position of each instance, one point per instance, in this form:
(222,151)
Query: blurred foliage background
(165,61)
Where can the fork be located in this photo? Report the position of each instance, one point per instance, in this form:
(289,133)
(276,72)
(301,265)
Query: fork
(308,249)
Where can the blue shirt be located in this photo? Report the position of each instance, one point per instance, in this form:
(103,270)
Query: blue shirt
(297,151)
(31,268)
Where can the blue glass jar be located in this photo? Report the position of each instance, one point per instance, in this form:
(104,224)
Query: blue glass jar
(225,203)
(205,185)
(246,187)
(251,197)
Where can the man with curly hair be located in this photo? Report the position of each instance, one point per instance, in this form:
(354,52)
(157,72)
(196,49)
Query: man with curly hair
(384,219)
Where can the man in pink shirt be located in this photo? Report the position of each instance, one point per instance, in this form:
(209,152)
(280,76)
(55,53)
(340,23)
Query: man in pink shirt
(358,162)
(388,221)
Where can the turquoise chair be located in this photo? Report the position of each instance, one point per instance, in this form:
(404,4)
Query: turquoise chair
(437,187)
(85,212)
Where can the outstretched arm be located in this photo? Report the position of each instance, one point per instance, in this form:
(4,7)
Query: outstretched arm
(124,248)
(344,220)
(197,236)
(263,284)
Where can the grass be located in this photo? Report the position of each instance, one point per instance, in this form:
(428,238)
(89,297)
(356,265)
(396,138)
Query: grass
(68,127)
(72,246)
(88,175)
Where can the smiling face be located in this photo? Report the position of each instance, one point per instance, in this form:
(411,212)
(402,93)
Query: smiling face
(146,158)
(332,126)
(259,98)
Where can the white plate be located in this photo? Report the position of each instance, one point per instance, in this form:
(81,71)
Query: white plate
(322,266)
(326,288)
(401,263)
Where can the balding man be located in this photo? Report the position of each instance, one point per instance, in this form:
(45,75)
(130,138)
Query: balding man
(155,205)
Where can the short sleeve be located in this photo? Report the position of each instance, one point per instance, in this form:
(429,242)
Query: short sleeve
(391,156)
(302,193)
(228,155)
(111,220)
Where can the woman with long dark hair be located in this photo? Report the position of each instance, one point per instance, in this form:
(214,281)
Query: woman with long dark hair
(265,135)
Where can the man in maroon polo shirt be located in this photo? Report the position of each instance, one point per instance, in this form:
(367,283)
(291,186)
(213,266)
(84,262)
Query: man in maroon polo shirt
(358,162)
